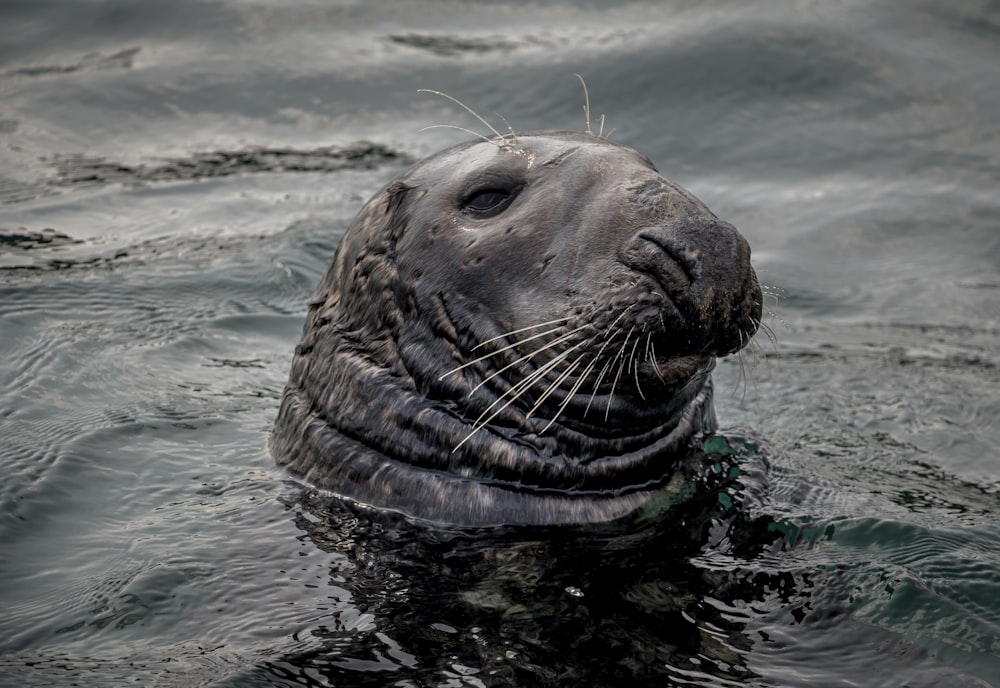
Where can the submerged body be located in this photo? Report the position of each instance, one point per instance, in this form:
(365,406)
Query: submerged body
(518,331)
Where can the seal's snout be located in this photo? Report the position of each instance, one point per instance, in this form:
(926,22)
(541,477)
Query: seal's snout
(691,255)
(702,265)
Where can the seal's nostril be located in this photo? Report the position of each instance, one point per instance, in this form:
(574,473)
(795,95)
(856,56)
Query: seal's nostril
(696,253)
(674,264)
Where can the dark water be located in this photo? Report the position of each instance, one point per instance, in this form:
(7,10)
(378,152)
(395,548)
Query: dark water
(174,178)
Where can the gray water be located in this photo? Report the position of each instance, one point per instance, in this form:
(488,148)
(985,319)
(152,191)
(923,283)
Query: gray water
(174,178)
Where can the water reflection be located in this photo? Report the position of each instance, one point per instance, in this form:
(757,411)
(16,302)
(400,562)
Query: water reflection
(708,592)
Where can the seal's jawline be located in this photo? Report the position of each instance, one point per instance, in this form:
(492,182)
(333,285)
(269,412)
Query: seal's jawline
(354,470)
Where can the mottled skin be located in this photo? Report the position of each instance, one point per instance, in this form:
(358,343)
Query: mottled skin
(643,288)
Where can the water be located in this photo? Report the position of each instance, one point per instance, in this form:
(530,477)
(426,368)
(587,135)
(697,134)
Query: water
(174,178)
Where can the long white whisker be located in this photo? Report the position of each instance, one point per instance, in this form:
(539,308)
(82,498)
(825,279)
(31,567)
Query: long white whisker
(614,385)
(464,107)
(656,366)
(523,329)
(607,340)
(741,377)
(620,354)
(615,321)
(749,371)
(572,392)
(597,384)
(505,348)
(487,139)
(517,390)
(586,104)
(554,386)
(769,333)
(527,357)
(634,365)
(513,136)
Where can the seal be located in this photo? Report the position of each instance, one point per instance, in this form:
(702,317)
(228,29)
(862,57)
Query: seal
(518,331)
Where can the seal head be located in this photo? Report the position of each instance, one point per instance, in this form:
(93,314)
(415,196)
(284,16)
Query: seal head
(517,332)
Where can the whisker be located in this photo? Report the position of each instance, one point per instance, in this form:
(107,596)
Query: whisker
(505,348)
(656,366)
(571,393)
(755,348)
(513,136)
(464,107)
(620,316)
(741,377)
(529,356)
(748,349)
(530,379)
(586,104)
(586,110)
(518,390)
(523,329)
(554,385)
(611,395)
(607,340)
(634,365)
(769,333)
(576,386)
(597,384)
(462,129)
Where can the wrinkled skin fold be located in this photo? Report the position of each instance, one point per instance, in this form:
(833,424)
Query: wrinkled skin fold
(518,331)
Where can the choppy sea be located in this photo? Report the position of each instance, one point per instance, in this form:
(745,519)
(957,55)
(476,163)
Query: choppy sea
(174,178)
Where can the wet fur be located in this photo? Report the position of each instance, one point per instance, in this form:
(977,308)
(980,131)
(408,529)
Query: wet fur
(446,399)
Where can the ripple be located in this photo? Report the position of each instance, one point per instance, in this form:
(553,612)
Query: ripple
(451,46)
(80,170)
(121,59)
(170,209)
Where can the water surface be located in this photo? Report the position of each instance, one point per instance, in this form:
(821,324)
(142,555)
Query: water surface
(174,179)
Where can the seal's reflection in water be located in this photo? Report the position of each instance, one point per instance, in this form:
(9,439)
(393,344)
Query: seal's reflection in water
(690,594)
(614,604)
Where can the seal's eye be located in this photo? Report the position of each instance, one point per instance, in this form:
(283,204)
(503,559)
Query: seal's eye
(488,202)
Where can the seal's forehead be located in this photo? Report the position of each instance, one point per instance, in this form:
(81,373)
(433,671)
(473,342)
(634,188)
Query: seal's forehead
(549,147)
(461,162)
(521,151)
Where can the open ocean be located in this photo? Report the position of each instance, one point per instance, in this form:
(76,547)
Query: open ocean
(174,179)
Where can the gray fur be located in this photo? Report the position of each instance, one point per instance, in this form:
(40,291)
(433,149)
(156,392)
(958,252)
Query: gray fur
(547,364)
